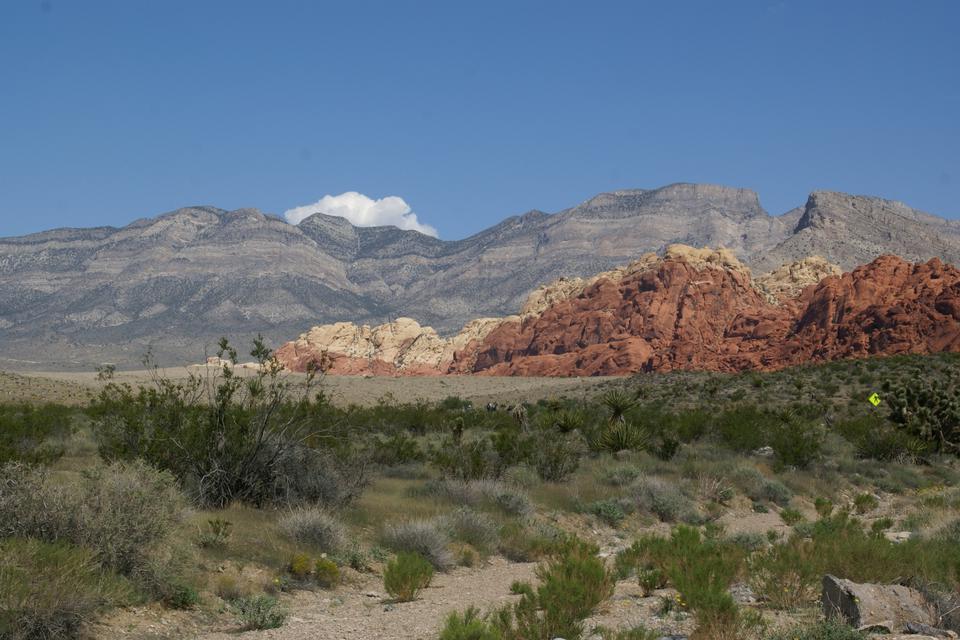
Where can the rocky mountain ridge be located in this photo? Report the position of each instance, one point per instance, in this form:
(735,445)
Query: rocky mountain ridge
(175,283)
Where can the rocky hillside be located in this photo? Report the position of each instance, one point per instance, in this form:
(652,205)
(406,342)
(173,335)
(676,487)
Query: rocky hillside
(77,297)
(692,309)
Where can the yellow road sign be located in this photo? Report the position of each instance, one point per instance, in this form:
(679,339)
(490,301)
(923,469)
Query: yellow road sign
(874,399)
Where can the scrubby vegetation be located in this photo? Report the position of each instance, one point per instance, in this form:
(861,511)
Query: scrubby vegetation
(690,483)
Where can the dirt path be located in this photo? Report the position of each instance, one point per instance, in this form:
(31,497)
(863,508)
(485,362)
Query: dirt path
(360,611)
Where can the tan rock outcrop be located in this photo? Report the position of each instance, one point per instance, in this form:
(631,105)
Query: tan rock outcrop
(789,280)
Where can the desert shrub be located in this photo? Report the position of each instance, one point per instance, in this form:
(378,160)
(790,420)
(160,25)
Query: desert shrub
(259,612)
(791,517)
(406,576)
(28,432)
(651,579)
(231,438)
(701,570)
(609,511)
(667,448)
(121,511)
(950,532)
(326,573)
(928,408)
(526,542)
(228,587)
(634,633)
(774,491)
(652,495)
(619,476)
(300,566)
(748,541)
(426,538)
(786,575)
(313,525)
(743,428)
(557,457)
(827,630)
(824,507)
(479,493)
(875,438)
(216,534)
(522,476)
(797,440)
(398,449)
(48,590)
(864,502)
(476,529)
(471,460)
(573,581)
(469,625)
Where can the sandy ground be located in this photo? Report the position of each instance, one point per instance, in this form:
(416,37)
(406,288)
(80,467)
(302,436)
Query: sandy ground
(78,388)
(355,611)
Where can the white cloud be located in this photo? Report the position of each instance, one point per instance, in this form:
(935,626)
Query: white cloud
(363,212)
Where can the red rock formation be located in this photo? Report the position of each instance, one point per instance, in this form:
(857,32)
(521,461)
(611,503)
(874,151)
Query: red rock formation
(678,317)
(692,309)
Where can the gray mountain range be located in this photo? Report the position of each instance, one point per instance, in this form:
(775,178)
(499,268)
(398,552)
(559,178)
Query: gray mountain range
(73,298)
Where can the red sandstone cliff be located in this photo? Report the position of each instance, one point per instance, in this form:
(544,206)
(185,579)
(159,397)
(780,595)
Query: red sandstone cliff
(692,309)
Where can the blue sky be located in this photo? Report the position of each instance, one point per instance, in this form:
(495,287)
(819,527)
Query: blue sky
(469,112)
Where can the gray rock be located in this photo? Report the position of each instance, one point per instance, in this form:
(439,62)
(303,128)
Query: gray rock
(742,593)
(875,607)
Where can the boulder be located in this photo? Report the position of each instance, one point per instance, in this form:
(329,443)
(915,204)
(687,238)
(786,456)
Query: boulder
(876,607)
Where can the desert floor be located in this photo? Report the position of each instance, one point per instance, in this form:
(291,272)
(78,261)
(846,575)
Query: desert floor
(78,388)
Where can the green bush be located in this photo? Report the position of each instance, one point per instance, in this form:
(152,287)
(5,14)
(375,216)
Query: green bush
(927,407)
(791,517)
(48,590)
(797,441)
(28,433)
(217,533)
(232,438)
(326,573)
(786,575)
(527,542)
(300,566)
(743,428)
(259,612)
(406,576)
(829,630)
(556,457)
(573,581)
(865,502)
(469,625)
(609,511)
(701,571)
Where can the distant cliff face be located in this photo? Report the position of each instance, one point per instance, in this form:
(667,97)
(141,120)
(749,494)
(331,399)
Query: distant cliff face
(74,298)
